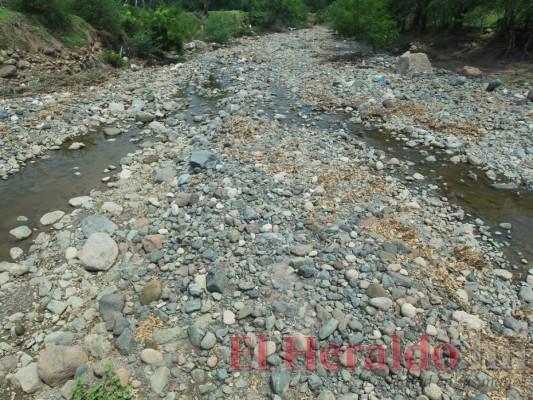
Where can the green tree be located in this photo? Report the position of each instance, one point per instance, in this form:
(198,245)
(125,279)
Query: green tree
(366,20)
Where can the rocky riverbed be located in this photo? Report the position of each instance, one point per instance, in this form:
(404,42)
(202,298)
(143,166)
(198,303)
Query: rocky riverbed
(249,210)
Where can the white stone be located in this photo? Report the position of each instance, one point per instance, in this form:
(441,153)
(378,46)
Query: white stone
(22,232)
(99,252)
(408,310)
(472,321)
(79,201)
(51,217)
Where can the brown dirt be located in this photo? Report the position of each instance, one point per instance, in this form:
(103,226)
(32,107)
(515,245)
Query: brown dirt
(454,51)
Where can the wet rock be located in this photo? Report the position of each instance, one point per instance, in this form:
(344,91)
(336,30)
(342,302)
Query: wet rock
(51,217)
(22,232)
(112,131)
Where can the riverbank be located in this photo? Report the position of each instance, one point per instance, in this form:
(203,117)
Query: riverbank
(249,210)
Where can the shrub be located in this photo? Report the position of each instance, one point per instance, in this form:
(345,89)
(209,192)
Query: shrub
(165,26)
(112,58)
(104,14)
(108,388)
(53,13)
(366,20)
(220,26)
(142,44)
(268,13)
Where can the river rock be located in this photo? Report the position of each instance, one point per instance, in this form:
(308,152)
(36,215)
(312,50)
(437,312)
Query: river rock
(493,85)
(22,232)
(151,356)
(383,303)
(151,292)
(411,63)
(111,304)
(27,378)
(472,321)
(8,71)
(51,217)
(57,364)
(97,223)
(202,159)
(99,252)
(472,72)
(144,117)
(112,131)
(159,380)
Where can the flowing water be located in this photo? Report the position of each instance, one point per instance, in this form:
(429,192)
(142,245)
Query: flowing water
(48,184)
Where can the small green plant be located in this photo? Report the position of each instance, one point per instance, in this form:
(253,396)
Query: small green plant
(108,388)
(112,58)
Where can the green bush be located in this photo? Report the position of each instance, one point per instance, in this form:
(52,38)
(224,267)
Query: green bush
(365,20)
(269,13)
(112,58)
(221,26)
(142,44)
(53,13)
(104,14)
(108,388)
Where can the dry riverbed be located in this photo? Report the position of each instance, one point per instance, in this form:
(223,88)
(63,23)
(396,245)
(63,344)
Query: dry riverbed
(252,206)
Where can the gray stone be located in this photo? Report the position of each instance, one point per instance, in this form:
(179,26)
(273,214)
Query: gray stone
(376,290)
(57,364)
(159,380)
(458,80)
(99,252)
(51,217)
(279,381)
(526,293)
(97,223)
(209,341)
(493,85)
(328,328)
(530,95)
(28,379)
(56,307)
(22,232)
(411,63)
(202,159)
(126,343)
(165,174)
(216,280)
(383,303)
(195,335)
(8,71)
(112,131)
(144,117)
(326,394)
(111,304)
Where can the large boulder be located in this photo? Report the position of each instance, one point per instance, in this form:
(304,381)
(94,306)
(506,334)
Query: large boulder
(57,364)
(8,71)
(99,252)
(412,63)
